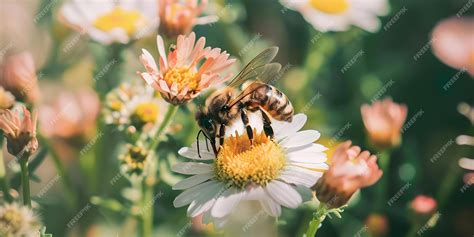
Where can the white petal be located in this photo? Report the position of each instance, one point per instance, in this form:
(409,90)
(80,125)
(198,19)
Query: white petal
(191,194)
(271,207)
(299,171)
(302,177)
(193,168)
(193,154)
(323,166)
(300,138)
(227,202)
(284,129)
(284,194)
(306,156)
(205,201)
(192,181)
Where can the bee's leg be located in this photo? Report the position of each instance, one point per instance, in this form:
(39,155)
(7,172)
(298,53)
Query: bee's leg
(221,134)
(197,141)
(213,145)
(267,123)
(245,120)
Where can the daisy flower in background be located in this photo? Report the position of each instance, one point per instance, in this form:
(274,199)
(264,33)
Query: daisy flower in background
(350,170)
(383,121)
(339,15)
(16,220)
(134,106)
(452,42)
(189,68)
(179,16)
(111,21)
(274,173)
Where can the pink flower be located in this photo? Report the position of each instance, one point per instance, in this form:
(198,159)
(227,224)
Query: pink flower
(181,76)
(20,133)
(423,204)
(349,171)
(18,75)
(452,41)
(383,121)
(179,16)
(71,114)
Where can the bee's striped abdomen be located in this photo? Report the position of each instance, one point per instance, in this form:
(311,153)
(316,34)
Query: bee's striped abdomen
(273,101)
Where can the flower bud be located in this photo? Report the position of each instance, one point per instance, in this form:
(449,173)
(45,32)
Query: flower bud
(383,121)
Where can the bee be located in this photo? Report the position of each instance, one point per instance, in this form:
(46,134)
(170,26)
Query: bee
(225,105)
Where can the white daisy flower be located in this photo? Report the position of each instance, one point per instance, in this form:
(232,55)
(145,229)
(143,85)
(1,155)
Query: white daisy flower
(134,105)
(338,15)
(16,220)
(275,173)
(112,21)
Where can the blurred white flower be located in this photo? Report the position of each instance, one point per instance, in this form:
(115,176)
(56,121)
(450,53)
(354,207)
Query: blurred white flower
(110,21)
(275,172)
(339,15)
(16,220)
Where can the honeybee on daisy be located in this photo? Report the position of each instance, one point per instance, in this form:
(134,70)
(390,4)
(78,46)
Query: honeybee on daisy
(339,15)
(262,156)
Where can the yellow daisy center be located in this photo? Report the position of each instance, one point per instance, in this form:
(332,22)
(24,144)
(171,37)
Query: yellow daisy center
(183,77)
(243,163)
(116,105)
(128,20)
(330,6)
(146,112)
(13,218)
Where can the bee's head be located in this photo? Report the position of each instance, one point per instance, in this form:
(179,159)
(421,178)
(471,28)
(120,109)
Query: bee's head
(206,122)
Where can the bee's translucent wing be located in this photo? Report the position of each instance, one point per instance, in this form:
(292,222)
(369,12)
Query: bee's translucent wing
(254,68)
(270,72)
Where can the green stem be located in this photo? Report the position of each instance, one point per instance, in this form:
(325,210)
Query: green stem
(147,208)
(150,180)
(163,126)
(25,181)
(4,182)
(382,189)
(63,175)
(318,217)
